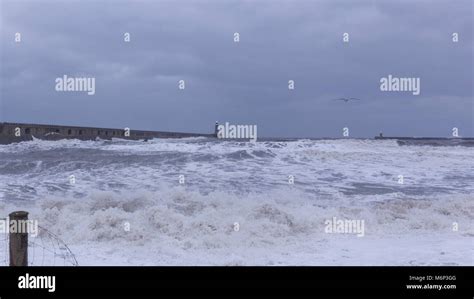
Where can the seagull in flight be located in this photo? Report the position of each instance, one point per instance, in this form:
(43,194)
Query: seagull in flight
(347,99)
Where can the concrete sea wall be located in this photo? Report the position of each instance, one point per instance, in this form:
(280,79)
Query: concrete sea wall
(16,132)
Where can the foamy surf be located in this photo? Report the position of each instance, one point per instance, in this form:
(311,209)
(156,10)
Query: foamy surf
(176,226)
(237,207)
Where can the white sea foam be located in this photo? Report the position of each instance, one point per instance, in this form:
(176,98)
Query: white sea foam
(175,226)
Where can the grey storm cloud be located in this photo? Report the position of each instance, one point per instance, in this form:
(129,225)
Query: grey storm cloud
(245,82)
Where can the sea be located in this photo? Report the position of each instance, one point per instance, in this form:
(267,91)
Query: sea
(202,201)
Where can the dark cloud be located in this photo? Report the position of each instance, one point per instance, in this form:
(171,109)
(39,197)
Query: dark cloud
(137,82)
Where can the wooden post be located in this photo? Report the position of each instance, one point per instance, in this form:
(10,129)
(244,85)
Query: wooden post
(18,240)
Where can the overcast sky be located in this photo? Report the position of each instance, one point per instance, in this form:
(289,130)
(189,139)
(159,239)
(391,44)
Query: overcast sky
(244,82)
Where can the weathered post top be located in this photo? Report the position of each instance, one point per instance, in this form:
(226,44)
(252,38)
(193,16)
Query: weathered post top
(18,215)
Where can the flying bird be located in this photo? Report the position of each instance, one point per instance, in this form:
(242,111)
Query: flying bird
(347,99)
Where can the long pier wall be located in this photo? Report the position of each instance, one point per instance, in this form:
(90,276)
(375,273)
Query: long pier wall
(16,132)
(423,138)
(432,141)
